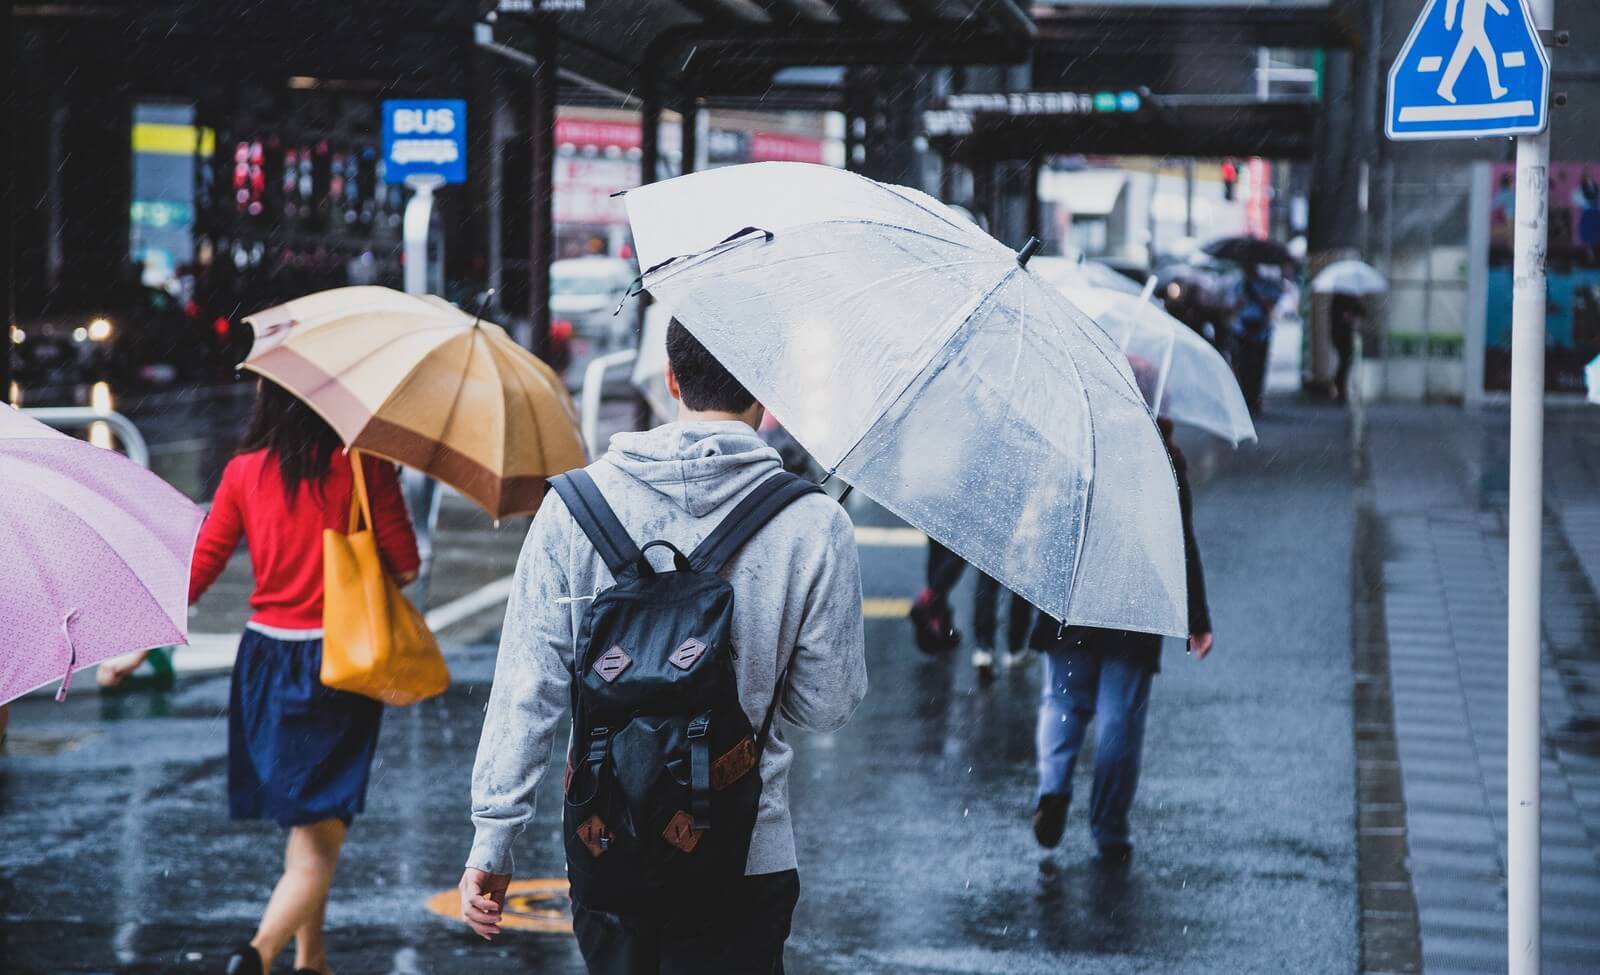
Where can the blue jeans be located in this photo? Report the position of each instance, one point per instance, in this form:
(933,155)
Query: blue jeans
(1078,688)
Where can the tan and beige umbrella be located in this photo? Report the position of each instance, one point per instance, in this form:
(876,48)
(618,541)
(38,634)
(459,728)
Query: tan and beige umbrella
(419,381)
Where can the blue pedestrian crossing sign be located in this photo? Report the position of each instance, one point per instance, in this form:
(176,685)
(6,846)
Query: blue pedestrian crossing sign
(1471,68)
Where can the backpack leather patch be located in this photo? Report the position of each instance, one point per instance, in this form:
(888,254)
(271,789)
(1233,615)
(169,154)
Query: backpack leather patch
(687,653)
(680,832)
(612,663)
(594,835)
(734,764)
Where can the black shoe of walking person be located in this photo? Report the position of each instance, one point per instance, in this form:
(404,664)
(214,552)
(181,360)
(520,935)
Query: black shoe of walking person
(933,624)
(245,960)
(1114,855)
(1050,819)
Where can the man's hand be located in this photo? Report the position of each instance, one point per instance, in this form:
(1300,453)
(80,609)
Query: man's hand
(482,896)
(1200,644)
(115,671)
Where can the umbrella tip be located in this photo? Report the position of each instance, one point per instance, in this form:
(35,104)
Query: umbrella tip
(1028,250)
(483,302)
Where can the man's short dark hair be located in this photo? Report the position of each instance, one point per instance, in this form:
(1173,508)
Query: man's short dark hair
(703,383)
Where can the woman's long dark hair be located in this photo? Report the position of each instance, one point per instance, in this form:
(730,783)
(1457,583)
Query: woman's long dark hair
(301,439)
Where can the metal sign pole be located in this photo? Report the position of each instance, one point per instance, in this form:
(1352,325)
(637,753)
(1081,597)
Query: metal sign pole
(1523,719)
(421,491)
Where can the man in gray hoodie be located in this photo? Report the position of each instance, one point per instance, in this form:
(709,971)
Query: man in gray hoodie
(797,601)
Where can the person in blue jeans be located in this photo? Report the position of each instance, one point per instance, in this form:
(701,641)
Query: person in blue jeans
(1103,677)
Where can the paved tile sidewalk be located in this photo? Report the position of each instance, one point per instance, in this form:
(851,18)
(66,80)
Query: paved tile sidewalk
(1444,581)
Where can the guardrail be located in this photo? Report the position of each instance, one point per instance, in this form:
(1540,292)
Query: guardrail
(594,380)
(82,417)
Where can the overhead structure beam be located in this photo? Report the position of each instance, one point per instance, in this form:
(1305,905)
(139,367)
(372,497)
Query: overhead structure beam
(1164,28)
(786,13)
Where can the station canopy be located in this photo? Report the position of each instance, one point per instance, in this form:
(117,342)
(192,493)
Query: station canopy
(708,48)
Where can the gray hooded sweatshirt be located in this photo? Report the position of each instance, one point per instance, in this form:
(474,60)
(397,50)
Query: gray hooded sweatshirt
(797,594)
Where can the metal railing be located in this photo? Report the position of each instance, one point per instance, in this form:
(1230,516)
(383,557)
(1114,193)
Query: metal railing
(594,381)
(83,417)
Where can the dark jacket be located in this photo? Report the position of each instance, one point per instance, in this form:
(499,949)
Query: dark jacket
(1143,649)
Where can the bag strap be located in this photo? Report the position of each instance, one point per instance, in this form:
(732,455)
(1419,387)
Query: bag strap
(359,504)
(589,509)
(772,708)
(748,517)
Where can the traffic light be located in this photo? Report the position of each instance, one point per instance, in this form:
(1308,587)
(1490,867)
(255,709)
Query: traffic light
(1230,179)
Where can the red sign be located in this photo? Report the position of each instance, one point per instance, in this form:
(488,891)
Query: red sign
(596,132)
(771,147)
(1258,205)
(584,188)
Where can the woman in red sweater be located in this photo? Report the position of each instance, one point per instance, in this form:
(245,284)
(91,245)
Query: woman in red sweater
(298,753)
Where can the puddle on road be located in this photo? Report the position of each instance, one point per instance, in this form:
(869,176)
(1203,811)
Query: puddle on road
(24,745)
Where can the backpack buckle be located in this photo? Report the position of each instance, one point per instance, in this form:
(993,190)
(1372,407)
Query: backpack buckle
(699,726)
(599,744)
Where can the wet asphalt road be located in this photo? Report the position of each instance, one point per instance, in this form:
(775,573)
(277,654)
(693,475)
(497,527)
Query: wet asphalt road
(117,854)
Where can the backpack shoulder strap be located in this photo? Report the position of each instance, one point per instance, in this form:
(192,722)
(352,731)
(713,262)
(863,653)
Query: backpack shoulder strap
(589,509)
(748,517)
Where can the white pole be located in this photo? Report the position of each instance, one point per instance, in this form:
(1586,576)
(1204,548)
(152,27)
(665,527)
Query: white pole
(414,230)
(1523,721)
(421,491)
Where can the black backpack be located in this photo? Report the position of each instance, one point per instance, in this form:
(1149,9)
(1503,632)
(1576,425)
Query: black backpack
(663,777)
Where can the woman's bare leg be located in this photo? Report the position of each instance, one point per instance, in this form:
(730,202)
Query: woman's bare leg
(301,897)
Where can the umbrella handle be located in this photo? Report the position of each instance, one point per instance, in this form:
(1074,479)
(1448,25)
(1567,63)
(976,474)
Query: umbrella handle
(72,656)
(637,284)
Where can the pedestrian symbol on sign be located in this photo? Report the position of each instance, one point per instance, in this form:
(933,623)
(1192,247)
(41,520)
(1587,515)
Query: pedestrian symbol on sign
(1470,68)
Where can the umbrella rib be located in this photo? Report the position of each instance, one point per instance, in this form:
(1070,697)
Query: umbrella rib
(57,504)
(954,332)
(379,347)
(455,398)
(700,257)
(900,198)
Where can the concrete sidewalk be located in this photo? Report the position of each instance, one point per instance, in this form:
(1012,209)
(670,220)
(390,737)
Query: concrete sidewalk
(1438,486)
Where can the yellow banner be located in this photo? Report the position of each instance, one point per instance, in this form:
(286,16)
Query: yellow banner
(172,140)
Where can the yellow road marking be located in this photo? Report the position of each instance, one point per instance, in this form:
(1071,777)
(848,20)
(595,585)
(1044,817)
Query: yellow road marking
(539,905)
(882,607)
(876,535)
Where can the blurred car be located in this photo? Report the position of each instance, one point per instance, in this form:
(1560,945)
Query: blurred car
(584,295)
(146,338)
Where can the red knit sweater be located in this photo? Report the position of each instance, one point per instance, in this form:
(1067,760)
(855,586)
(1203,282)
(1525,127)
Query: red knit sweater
(285,535)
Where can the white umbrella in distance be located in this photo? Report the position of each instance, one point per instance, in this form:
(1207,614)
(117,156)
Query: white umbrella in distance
(919,360)
(1188,380)
(1349,277)
(1591,379)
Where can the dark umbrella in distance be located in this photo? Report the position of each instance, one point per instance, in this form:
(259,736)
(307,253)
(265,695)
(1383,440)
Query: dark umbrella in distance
(1249,251)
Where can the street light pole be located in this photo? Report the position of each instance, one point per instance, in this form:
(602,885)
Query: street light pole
(1523,719)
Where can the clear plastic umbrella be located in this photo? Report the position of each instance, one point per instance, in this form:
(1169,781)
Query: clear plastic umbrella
(1349,278)
(650,369)
(1187,379)
(919,360)
(1066,272)
(1591,379)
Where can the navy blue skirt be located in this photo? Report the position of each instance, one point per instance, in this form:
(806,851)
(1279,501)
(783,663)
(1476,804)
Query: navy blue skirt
(298,753)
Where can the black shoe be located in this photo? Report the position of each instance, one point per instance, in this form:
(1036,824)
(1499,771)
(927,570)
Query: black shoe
(245,960)
(1115,854)
(932,624)
(1050,819)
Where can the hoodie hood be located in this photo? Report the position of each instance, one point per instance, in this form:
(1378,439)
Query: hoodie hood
(698,466)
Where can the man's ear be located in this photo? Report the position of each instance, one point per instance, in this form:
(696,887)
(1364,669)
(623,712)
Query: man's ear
(672,384)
